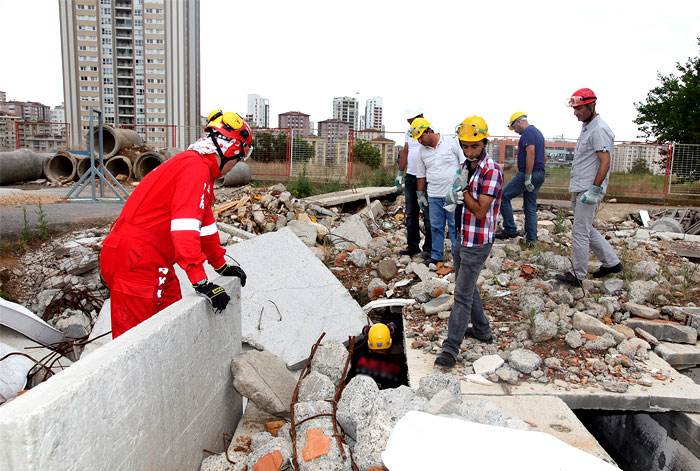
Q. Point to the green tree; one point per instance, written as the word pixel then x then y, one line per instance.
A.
pixel 302 150
pixel 269 147
pixel 640 167
pixel 671 112
pixel 363 151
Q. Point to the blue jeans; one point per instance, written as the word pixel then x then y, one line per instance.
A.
pixel 438 217
pixel 467 302
pixel 412 215
pixel 516 187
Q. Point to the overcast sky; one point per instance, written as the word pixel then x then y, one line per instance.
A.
pixel 453 58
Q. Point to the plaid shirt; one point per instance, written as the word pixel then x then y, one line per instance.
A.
pixel 487 179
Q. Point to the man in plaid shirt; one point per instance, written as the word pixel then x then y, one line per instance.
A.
pixel 477 191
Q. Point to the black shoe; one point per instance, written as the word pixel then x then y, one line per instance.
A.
pixel 603 271
pixel 429 260
pixel 569 278
pixel 425 254
pixel 470 334
pixel 506 235
pixel 409 251
pixel 445 360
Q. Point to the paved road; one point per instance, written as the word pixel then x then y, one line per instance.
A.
pixel 57 214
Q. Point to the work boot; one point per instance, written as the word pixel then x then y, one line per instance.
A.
pixel 470 334
pixel 409 251
pixel 445 360
pixel 506 235
pixel 429 260
pixel 603 271
pixel 569 278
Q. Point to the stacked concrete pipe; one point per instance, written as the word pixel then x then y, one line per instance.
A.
pixel 60 167
pixel 82 165
pixel 146 162
pixel 119 165
pixel 114 140
pixel 21 165
pixel 238 176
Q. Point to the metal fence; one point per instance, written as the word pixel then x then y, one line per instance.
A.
pixel 368 157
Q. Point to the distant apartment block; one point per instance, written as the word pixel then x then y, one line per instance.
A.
pixel 373 113
pixel 387 150
pixel 26 110
pixel 336 133
pixel 626 153
pixel 297 121
pixel 137 60
pixel 57 116
pixel 7 130
pixel 258 111
pixel 3 97
pixel 346 109
pixel 559 153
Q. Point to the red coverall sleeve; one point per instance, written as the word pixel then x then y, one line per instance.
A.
pixel 211 244
pixel 192 194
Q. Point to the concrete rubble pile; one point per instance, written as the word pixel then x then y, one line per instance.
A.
pixel 365 415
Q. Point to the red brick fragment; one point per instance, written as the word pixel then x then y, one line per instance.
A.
pixel 270 462
pixel 317 445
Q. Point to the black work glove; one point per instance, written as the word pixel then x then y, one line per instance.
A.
pixel 231 270
pixel 214 293
pixel 365 329
pixel 392 327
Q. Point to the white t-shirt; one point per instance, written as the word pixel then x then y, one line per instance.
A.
pixel 439 165
pixel 413 150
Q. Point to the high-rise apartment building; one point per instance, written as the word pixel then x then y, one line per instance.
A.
pixel 26 110
pixel 373 113
pixel 57 116
pixel 3 97
pixel 137 60
pixel 345 109
pixel 258 111
pixel 296 120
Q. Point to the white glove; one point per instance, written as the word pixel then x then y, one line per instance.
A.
pixel 528 183
pixel 422 199
pixel 460 181
pixel 454 197
pixel 593 195
pixel 399 178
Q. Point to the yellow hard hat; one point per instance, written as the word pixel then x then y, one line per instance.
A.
pixel 473 128
pixel 418 127
pixel 379 337
pixel 514 117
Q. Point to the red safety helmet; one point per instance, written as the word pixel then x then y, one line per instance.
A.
pixel 230 125
pixel 582 96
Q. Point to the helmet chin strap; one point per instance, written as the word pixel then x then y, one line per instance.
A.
pixel 224 160
pixel 481 154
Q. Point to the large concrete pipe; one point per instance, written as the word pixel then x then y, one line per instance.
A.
pixel 120 167
pixel 238 176
pixel 21 165
pixel 113 140
pixel 146 162
pixel 60 167
pixel 169 152
pixel 82 165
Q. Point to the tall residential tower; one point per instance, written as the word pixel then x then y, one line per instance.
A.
pixel 345 109
pixel 137 60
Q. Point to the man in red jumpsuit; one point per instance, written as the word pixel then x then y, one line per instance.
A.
pixel 168 219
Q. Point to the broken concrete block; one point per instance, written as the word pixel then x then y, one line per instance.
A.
pixel 573 339
pixel 665 330
pixel 525 361
pixel 642 291
pixel 647 336
pixel 316 387
pixel 13 372
pixel 624 330
pixel 376 209
pixel 602 342
pixel 264 379
pixel 434 383
pixel 305 231
pixel 487 364
pixel 677 354
pixel 306 409
pixel 271 456
pixel 542 329
pixel 444 402
pixel 591 325
pixel 442 303
pixel 352 233
pixel 483 412
pixel 316 451
pixel 358 257
pixel 423 291
pixel 386 269
pixel 376 288
pixel 330 359
pixel 220 462
pixel 358 402
pixel 611 285
pixel 531 305
pixel 372 440
pixel 640 310
pixel 400 400
pixel 508 374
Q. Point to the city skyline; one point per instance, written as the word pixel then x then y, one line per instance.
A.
pixel 620 62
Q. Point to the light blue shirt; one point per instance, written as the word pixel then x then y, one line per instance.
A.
pixel 595 136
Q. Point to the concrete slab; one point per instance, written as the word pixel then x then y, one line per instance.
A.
pixel 153 398
pixel 679 354
pixel 677 392
pixel 683 427
pixel 552 416
pixel 287 281
pixel 354 194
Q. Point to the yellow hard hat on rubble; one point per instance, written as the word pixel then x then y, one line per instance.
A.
pixel 514 117
pixel 379 337
pixel 472 129
pixel 418 127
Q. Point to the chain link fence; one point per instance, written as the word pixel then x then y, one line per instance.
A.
pixel 683 175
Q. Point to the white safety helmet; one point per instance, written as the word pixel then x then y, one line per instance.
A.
pixel 413 111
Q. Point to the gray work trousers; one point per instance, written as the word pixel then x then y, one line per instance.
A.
pixel 585 237
pixel 467 303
